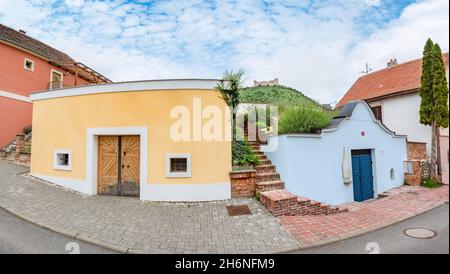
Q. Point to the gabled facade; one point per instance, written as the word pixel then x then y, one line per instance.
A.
pixel 354 159
pixel 393 95
pixel 28 65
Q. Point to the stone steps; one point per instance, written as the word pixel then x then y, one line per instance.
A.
pixel 276 198
pixel 269 186
pixel 283 203
pixel 262 157
pixel 267 177
pixel 266 162
pixel 264 168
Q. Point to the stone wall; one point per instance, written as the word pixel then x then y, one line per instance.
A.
pixel 270 83
pixel 418 163
pixel 20 153
pixel 416 151
pixel 243 183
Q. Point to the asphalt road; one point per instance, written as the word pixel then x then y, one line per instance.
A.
pixel 21 237
pixel 18 236
pixel 391 240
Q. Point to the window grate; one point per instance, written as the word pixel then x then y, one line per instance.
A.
pixel 178 165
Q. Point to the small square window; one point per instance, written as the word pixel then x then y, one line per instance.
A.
pixel 178 165
pixel 62 160
pixel 29 65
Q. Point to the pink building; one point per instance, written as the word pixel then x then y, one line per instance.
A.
pixel 28 65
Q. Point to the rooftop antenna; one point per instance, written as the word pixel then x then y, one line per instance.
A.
pixel 368 69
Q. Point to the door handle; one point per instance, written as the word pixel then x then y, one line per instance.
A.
pixel 128 166
pixel 123 166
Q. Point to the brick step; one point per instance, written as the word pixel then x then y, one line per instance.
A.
pixel 269 186
pixel 257 152
pixel 283 203
pixel 253 143
pixel 266 168
pixel 311 207
pixel 262 156
pixel 266 162
pixel 267 177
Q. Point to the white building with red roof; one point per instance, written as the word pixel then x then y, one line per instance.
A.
pixel 393 95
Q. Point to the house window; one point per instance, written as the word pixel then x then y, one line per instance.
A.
pixel 28 65
pixel 178 165
pixel 56 79
pixel 62 160
pixel 378 113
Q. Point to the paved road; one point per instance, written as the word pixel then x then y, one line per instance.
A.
pixel 21 237
pixel 391 240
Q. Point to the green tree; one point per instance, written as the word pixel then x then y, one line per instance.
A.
pixel 229 87
pixel 426 89
pixel 434 100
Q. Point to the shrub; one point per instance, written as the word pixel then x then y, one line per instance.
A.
pixel 27 130
pixel 303 120
pixel 243 154
pixel 428 183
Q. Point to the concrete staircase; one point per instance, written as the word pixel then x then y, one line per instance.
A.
pixel 278 200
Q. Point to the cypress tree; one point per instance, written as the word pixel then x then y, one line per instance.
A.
pixel 434 100
pixel 426 89
pixel 440 89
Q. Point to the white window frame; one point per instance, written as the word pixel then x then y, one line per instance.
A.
pixel 25 64
pixel 186 174
pixel 56 165
pixel 58 72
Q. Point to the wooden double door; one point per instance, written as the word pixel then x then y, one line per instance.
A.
pixel 119 165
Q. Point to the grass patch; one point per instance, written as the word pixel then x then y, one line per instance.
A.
pixel 428 183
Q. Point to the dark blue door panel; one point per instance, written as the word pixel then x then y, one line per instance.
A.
pixel 357 190
pixel 362 177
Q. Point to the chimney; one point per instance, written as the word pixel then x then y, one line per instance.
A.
pixel 392 63
pixel 22 31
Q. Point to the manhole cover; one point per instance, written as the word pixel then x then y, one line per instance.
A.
pixel 236 210
pixel 420 233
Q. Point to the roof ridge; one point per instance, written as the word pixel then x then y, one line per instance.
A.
pixel 398 65
pixel 35 41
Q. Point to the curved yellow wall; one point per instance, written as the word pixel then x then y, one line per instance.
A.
pixel 62 123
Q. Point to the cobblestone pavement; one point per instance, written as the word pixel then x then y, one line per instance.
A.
pixel 128 225
pixel 399 204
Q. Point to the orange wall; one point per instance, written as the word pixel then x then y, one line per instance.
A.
pixel 14 78
pixel 14 116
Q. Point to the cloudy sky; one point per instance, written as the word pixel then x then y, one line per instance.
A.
pixel 318 47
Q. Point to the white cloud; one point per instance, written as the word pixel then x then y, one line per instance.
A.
pixel 316 47
pixel 74 3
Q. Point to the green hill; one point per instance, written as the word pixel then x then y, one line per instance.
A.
pixel 277 95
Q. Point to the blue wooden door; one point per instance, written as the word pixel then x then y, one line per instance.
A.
pixel 362 175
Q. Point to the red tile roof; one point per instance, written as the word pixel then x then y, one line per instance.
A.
pixel 399 79
pixel 24 41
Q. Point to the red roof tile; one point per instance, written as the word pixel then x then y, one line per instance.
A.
pixel 24 41
pixel 398 79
